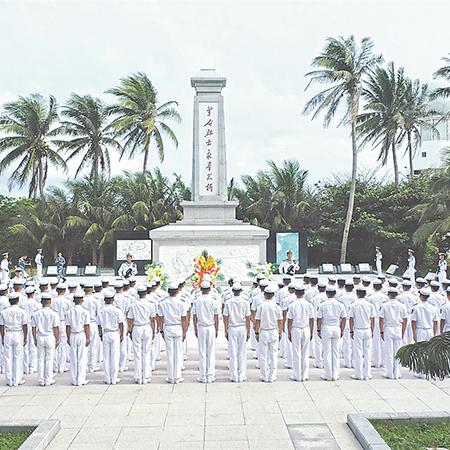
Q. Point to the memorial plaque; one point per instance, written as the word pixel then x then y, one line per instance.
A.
pixel 327 268
pixel 364 268
pixel 346 268
pixel 392 269
pixel 90 270
pixel 72 270
pixel 52 270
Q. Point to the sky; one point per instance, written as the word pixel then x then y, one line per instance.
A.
pixel 263 48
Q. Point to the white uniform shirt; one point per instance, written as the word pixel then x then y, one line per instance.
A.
pixel 77 317
pixel 289 266
pixel 437 300
pixel 377 299
pixel 61 305
pixel 409 300
pixel 13 318
pixel 125 267
pixel 141 311
pixel 287 301
pixel 445 315
pixel 172 309
pixel 257 300
pixel 122 302
pixel 393 312
pixel 237 309
pixel 109 317
pixel 205 308
pixel 45 319
pixel 269 313
pixel 38 259
pixel 316 301
pixel 30 306
pixel 300 311
pixel 311 293
pixel 4 265
pixel 362 311
pixel 425 314
pixel 4 303
pixel 347 299
pixel 331 311
pixel 281 294
pixel 93 305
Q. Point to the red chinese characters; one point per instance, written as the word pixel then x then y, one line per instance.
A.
pixel 209 139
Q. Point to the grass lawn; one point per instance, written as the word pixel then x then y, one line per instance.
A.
pixel 414 435
pixel 12 440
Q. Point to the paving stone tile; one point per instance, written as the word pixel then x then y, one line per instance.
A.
pixel 226 433
pixel 63 439
pixel 303 417
pixel 233 445
pixel 278 444
pixel 35 412
pixel 72 416
pixel 260 419
pixel 263 432
pixel 97 436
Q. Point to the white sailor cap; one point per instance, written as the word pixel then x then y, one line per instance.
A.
pixel 332 278
pixel 299 287
pixel 291 285
pixel 406 283
pixel 54 281
pixel 105 280
pixel 446 281
pixel 426 292
pixel 260 276
pixel 108 293
pixel 435 283
pixel 429 276
pixel 98 284
pixel 237 286
pixel 361 289
pixel 330 288
pixel 392 290
pixel 72 284
pixel 356 277
pixel 270 289
pixel 14 295
pixel 118 284
pixel 410 250
pixel 39 249
pixel 141 288
pixel 349 283
pixel 3 287
pixel 206 284
pixel 46 296
pixel 287 277
pixel 88 285
pixel 61 286
pixel 29 283
pixel 307 276
pixel 420 280
pixel 365 279
pixel 393 280
pixel 406 276
pixel 280 283
pixel 132 279
pixel 126 282
pixel 377 282
pixel 78 294
pixel 321 284
pixel 29 290
pixel 82 282
pixel 17 281
pixel 381 276
pixel 17 269
pixel 43 283
pixel 264 283
pixel 5 254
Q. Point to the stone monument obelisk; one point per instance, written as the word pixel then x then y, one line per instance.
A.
pixel 209 220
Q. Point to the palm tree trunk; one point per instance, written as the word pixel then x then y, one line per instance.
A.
pixel 41 181
pixel 411 168
pixel 101 259
pixel 94 255
pixel 394 159
pixel 144 168
pixel 351 198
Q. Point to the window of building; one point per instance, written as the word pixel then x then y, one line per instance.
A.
pixel 424 154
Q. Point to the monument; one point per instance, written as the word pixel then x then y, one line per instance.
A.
pixel 209 220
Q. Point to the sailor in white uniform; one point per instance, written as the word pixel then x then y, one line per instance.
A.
pixel 5 266
pixel 13 329
pixel 39 259
pixel 77 322
pixel 236 319
pixel 445 314
pixel 411 270
pixel 289 266
pixel 30 305
pixel 378 260
pixel 442 268
pixel 128 268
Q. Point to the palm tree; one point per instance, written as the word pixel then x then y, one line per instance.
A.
pixel 344 64
pixel 443 72
pixel 380 124
pixel 27 124
pixel 87 123
pixel 140 118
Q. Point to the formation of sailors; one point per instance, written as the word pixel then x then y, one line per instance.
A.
pixel 53 327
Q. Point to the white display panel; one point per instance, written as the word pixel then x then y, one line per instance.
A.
pixel 141 249
pixel 208 139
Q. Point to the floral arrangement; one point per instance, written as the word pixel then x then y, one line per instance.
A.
pixel 156 270
pixel 255 268
pixel 203 265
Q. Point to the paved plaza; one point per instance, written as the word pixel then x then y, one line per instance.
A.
pixel 250 415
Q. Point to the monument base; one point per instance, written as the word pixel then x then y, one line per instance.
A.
pixel 176 245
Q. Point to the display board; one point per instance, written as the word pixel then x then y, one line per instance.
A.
pixel 141 249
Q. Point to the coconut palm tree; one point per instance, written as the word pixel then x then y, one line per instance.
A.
pixel 140 118
pixel 380 123
pixel 87 123
pixel 28 125
pixel 344 64
pixel 443 72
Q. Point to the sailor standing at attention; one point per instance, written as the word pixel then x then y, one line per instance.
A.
pixel 128 268
pixel 268 332
pixel 378 260
pixel 39 259
pixel 289 266
pixel 4 266
pixel 442 268
pixel 206 326
pixel 236 319
pixel 411 270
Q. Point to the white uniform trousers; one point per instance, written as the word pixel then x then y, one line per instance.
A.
pixel 78 358
pixel 347 346
pixel 377 345
pixel 2 359
pixel 5 278
pixel 124 349
pixel 300 352
pixel 13 354
pixel 173 336
pixel 30 353
pixel 156 349
pixel 253 341
pixel 378 265
pixel 111 355
pixel 207 351
pixel 237 343
pixel 185 349
pixel 423 334
pixel 442 275
pixel 362 350
pixel 282 345
pixel 408 336
pixel 330 344
pixel 46 357
pixel 62 350
pixel 392 342
pixel 268 353
pixel 93 347
pixel 288 345
pixel 142 344
pixel 38 272
pixel 317 343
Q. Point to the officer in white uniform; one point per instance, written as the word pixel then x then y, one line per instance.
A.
pixel 300 328
pixel 128 268
pixel 378 260
pixel 206 326
pixel 172 324
pixel 77 329
pixel 123 303
pixel 409 300
pixel 110 321
pixel 445 314
pixel 316 300
pixel 285 343
pixel 331 319
pixel 30 306
pixel 361 315
pixel 93 305
pixel 268 332
pixel 4 266
pixel 442 268
pixel 257 299
pixel 411 270
pixel 347 343
pixel 392 320
pixel 236 319
pixel 141 325
pixel 289 266
pixel 60 304
pixel 13 329
pixel 39 259
pixel 45 323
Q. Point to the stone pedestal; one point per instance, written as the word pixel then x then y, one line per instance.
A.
pixel 209 221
